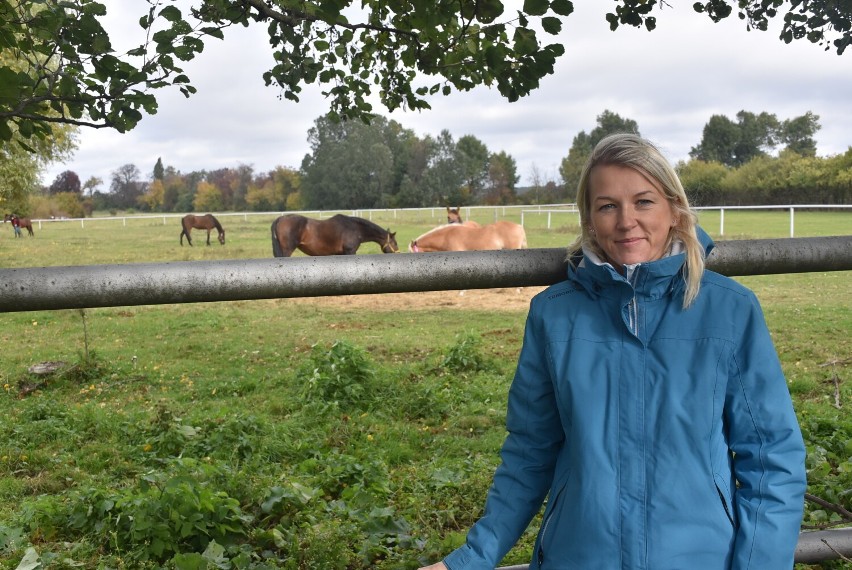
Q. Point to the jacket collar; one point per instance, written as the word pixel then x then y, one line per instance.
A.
pixel 654 278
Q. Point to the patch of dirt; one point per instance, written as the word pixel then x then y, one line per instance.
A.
pixel 508 299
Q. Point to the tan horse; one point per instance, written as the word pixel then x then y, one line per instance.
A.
pixel 463 237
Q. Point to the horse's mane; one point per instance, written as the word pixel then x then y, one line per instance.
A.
pixel 366 223
pixel 216 223
pixel 441 227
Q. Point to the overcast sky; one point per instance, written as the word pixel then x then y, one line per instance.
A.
pixel 670 81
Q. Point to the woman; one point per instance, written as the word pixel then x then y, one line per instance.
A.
pixel 648 401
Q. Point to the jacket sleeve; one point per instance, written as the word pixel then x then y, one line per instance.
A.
pixel 528 456
pixel 769 454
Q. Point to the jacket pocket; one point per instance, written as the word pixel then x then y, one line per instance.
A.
pixel 548 526
pixel 727 502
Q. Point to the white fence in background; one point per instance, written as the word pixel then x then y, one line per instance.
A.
pixel 572 209
pixel 437 213
pixel 792 210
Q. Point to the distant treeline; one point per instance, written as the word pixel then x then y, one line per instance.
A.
pixel 353 165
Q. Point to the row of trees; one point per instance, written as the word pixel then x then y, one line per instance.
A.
pixel 353 165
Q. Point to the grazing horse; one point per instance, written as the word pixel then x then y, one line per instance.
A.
pixel 18 223
pixel 338 235
pixel 462 237
pixel 205 222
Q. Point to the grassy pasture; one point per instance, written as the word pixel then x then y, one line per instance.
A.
pixel 308 433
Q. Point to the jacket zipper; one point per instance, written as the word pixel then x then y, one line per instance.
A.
pixel 544 533
pixel 540 547
pixel 632 308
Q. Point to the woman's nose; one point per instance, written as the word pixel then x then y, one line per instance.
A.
pixel 626 218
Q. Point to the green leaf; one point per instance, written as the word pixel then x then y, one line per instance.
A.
pixel 171 13
pixel 562 7
pixel 551 25
pixel 489 10
pixel 536 7
pixel 214 32
pixel 30 561
pixel 525 41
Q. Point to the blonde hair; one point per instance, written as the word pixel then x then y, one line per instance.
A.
pixel 634 152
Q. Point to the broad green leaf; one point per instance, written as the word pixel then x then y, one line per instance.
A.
pixel 551 25
pixel 536 7
pixel 562 7
pixel 525 42
pixel 489 10
pixel 171 13
pixel 30 561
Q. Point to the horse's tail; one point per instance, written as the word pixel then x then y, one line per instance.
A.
pixel 276 245
pixel 523 232
pixel 183 231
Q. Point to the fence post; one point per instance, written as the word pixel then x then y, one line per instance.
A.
pixel 721 221
pixel 791 221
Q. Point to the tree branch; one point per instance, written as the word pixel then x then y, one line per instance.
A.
pixel 830 506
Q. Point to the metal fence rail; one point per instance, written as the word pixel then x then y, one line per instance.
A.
pixel 48 288
pixel 813 546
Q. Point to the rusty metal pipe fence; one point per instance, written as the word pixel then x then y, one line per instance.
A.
pixel 52 288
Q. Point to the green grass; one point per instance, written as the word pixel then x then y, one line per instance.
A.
pixel 300 435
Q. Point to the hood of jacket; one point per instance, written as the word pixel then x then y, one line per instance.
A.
pixel 653 278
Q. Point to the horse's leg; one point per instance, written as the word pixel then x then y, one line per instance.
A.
pixel 208 237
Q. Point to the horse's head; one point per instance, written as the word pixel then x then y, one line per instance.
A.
pixel 222 237
pixel 389 245
pixel 453 215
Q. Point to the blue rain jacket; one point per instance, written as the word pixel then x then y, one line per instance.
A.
pixel 664 438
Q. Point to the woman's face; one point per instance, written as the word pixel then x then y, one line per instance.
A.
pixel 630 217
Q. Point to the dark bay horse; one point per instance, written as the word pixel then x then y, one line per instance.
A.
pixel 25 223
pixel 205 222
pixel 338 235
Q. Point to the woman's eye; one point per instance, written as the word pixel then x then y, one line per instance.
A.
pixel 606 207
pixel 644 203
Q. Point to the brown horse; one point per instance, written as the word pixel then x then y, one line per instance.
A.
pixel 454 215
pixel 25 223
pixel 338 235
pixel 205 222
pixel 462 237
